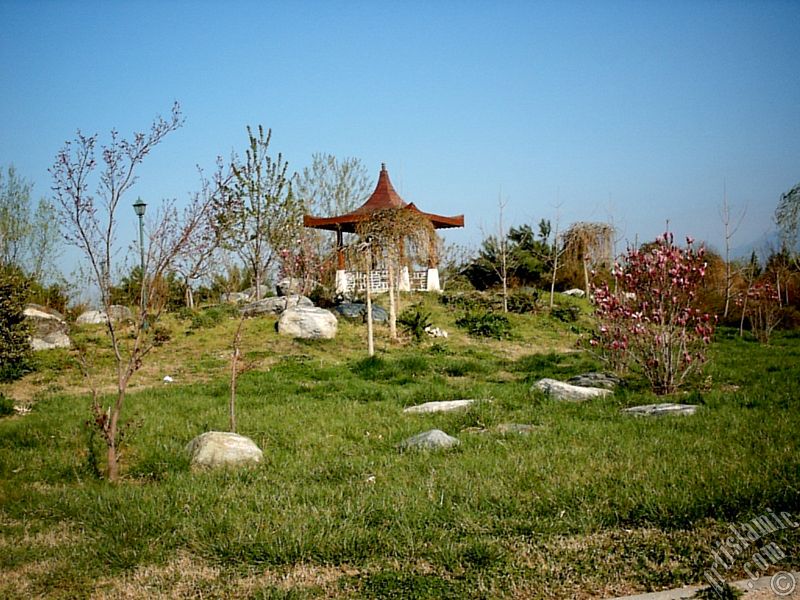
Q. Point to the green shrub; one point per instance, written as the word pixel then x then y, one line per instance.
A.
pixel 485 324
pixel 414 320
pixel 566 314
pixel 6 406
pixel 523 301
pixel 207 318
pixel 15 347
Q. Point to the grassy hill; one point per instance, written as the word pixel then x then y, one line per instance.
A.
pixel 590 503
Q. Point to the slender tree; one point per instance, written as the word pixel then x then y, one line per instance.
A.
pixel 262 216
pixel 28 234
pixel 89 222
pixel 730 230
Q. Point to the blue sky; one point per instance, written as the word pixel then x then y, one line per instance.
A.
pixel 633 111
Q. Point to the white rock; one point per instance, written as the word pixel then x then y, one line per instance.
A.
pixel 49 328
pixel 665 408
pixel 442 406
pixel 575 292
pixel 307 322
pixel 91 317
pixel 221 448
pixel 168 379
pixel 435 439
pixel 559 390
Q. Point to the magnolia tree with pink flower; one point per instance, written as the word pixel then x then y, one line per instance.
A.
pixel 761 305
pixel 651 321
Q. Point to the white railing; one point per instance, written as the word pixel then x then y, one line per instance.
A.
pixel 379 281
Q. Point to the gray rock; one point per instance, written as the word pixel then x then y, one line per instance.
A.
pixel 665 408
pixel 274 305
pixel 96 317
pixel 307 322
pixel 120 313
pixel 442 406
pixel 598 380
pixel 49 328
pixel 575 292
pixel 558 390
pixel 358 310
pixel 435 439
pixel 290 286
pixel 251 292
pixel 91 317
pixel 234 298
pixel 222 449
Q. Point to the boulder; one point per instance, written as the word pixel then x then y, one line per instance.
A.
pixel 358 310
pixel 665 408
pixel 435 439
pixel 222 449
pixel 49 328
pixel 120 313
pixel 442 406
pixel 96 317
pixel 575 293
pixel 234 298
pixel 251 292
pixel 307 322
pixel 558 390
pixel 274 305
pixel 606 381
pixel 290 286
pixel 91 317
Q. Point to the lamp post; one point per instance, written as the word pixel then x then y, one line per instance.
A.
pixel 139 209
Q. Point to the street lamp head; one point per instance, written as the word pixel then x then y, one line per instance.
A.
pixel 139 207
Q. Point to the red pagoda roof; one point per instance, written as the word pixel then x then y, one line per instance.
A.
pixel 384 197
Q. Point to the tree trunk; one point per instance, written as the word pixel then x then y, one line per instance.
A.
pixel 237 338
pixel 392 305
pixel 370 338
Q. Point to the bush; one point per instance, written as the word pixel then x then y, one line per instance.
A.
pixel 523 301
pixel 414 321
pixel 485 324
pixel 6 406
pixel 565 314
pixel 652 321
pixel 207 318
pixel 15 347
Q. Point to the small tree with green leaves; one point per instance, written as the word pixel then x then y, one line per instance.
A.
pixel 259 215
pixel 15 345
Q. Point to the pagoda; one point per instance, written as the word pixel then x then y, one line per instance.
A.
pixel 384 197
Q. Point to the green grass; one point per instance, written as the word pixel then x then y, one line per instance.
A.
pixel 591 503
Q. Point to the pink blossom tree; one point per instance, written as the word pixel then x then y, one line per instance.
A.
pixel 651 322
pixel 761 305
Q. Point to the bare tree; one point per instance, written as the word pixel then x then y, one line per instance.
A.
pixel 556 250
pixel 89 222
pixel 262 216
pixel 497 244
pixel 197 256
pixel 730 231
